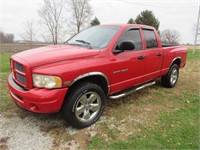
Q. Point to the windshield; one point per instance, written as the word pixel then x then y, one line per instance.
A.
pixel 96 37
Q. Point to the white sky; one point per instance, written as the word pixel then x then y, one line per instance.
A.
pixel 180 15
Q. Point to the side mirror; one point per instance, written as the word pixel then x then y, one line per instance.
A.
pixel 124 45
pixel 127 45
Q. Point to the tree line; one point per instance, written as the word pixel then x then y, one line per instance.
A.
pixel 58 18
pixel 6 37
pixel 54 21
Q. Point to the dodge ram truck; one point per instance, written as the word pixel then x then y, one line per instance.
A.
pixel 101 62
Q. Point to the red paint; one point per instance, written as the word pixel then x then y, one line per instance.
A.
pixel 69 62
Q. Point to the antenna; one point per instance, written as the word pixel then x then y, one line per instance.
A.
pixel 197 31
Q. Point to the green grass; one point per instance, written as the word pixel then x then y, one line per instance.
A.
pixel 178 129
pixel 195 56
pixel 6 102
pixel 5 62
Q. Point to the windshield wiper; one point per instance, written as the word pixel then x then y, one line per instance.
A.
pixel 86 43
pixel 66 42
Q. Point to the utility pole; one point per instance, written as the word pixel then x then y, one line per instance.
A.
pixel 197 31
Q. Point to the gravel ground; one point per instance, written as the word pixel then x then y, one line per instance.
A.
pixel 18 134
pixel 42 132
pixel 32 133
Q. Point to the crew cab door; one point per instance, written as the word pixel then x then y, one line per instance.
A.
pixel 127 67
pixel 154 55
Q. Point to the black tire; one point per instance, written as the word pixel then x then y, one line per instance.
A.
pixel 170 79
pixel 79 98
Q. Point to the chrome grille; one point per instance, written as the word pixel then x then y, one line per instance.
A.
pixel 19 67
pixel 21 78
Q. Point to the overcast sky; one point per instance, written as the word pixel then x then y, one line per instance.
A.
pixel 180 15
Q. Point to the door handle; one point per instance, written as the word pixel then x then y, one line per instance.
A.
pixel 141 57
pixel 159 54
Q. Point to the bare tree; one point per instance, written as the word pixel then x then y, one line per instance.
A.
pixel 51 14
pixel 81 13
pixel 29 32
pixel 170 36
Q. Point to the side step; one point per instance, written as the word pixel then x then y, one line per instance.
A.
pixel 132 90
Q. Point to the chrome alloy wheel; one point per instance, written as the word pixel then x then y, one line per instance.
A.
pixel 174 76
pixel 88 106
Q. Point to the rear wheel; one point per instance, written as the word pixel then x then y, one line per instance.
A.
pixel 170 79
pixel 84 105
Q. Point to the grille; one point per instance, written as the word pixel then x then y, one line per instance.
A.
pixel 20 73
pixel 21 78
pixel 19 67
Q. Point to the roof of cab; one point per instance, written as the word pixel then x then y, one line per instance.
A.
pixel 129 25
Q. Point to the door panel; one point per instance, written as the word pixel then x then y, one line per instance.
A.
pixel 127 70
pixel 127 67
pixel 154 56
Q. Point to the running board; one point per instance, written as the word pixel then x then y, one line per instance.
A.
pixel 132 90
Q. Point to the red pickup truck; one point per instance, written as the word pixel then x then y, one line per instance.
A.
pixel 106 61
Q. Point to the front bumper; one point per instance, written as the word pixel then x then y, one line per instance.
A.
pixel 37 100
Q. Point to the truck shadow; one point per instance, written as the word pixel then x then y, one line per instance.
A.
pixel 55 120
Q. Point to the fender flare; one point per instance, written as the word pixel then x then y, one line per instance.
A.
pixel 91 74
pixel 175 60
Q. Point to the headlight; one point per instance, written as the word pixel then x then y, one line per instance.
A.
pixel 49 82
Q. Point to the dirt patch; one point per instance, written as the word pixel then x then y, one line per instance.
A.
pixel 68 137
pixel 3 143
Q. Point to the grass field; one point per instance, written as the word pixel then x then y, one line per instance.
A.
pixel 153 118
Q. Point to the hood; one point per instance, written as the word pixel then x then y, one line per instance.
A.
pixel 55 53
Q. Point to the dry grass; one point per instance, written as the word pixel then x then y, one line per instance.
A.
pixel 14 48
pixel 191 47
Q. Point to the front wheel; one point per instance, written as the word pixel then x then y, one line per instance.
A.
pixel 170 79
pixel 84 105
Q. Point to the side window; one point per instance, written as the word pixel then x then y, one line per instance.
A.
pixel 134 35
pixel 150 37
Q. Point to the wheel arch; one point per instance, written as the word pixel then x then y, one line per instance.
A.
pixel 98 78
pixel 177 61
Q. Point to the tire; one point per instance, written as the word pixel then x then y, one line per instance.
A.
pixel 170 79
pixel 83 105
